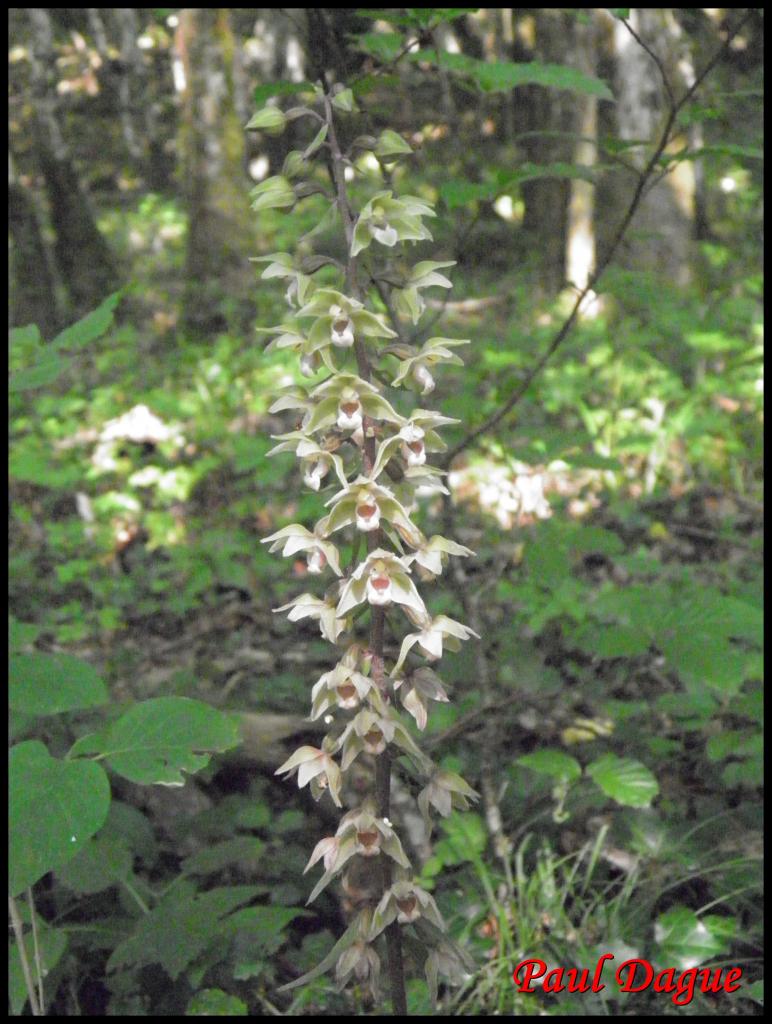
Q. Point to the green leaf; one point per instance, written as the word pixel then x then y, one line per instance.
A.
pixel 344 100
pixel 239 850
pixel 181 927
pixel 552 762
pixel 159 739
pixel 259 932
pixel 265 92
pixel 51 944
pixel 686 940
pixel 21 634
pixel 625 780
pixel 54 808
pixel 47 684
pixel 213 1002
pixel 26 337
pixel 499 76
pixel 90 327
pixel 104 861
pixel 383 45
pixel 47 370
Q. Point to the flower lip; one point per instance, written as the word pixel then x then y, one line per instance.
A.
pixel 350 408
pixel 373 737
pixel 408 904
pixel 369 840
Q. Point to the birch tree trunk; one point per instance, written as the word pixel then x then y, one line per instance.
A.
pixel 662 230
pixel 211 160
pixel 580 225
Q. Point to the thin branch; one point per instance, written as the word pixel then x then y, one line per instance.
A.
pixel 18 932
pixel 564 330
pixel 654 57
pixel 36 947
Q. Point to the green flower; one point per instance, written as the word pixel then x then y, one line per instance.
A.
pixel 340 320
pixel 345 400
pixel 407 300
pixel 297 538
pixel 380 580
pixel 365 503
pixel 433 351
pixel 281 264
pixel 389 220
pixel 316 461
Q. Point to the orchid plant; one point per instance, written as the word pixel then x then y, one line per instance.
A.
pixel 375 451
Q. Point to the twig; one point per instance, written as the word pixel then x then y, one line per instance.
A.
pixel 643 179
pixel 654 57
pixel 18 932
pixel 36 947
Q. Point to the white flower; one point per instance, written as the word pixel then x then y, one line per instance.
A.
pixel 349 412
pixel 317 767
pixel 434 632
pixel 368 516
pixel 385 234
pixel 424 378
pixel 314 473
pixel 341 328
pixel 309 364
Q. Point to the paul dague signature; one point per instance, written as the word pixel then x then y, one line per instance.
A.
pixel 631 976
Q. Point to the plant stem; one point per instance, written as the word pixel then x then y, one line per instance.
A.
pixel 382 761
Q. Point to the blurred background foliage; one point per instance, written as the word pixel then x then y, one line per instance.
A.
pixel 616 513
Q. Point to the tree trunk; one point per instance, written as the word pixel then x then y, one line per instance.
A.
pixel 31 282
pixel 580 226
pixel 211 151
pixel 84 259
pixel 547 110
pixel 662 230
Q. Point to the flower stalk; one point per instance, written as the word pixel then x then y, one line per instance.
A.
pixel 379 450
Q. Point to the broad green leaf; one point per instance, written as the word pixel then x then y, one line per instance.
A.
pixel 465 834
pixel 625 780
pixel 52 943
pixel 383 45
pixel 44 372
pixel 213 1002
pixel 54 807
pixel 159 739
pixel 103 861
pixel 258 933
pixel 552 762
pixel 27 337
pixel 502 76
pixel 179 928
pixel 239 850
pixel 20 634
pixel 686 940
pixel 47 684
pixel 90 327
pixel 264 92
